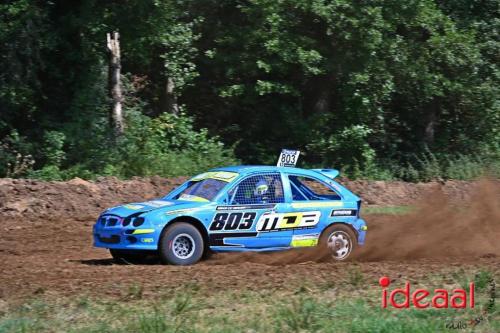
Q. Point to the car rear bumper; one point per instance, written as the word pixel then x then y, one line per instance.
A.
pixel 361 229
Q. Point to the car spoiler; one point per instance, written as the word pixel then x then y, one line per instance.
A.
pixel 330 173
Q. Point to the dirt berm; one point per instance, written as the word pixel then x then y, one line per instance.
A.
pixel 26 200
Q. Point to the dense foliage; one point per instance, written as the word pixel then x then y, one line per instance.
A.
pixel 379 88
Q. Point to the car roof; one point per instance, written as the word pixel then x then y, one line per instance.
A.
pixel 246 169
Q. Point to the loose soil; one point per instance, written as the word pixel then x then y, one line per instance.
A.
pixel 46 246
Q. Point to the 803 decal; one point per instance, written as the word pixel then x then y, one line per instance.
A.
pixel 232 221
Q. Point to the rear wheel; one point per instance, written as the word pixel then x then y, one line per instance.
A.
pixel 340 241
pixel 181 244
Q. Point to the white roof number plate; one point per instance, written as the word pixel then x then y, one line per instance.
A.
pixel 288 158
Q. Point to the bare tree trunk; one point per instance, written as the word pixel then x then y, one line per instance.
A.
pixel 170 99
pixel 321 95
pixel 430 124
pixel 323 99
pixel 429 131
pixel 116 116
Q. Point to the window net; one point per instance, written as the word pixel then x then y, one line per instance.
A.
pixel 259 189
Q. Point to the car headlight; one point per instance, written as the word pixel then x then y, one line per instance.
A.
pixel 138 221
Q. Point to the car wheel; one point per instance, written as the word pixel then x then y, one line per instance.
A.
pixel 181 244
pixel 130 257
pixel 340 241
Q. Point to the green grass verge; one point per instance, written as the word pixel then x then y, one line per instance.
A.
pixel 235 311
pixel 388 210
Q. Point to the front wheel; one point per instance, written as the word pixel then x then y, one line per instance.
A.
pixel 340 241
pixel 181 244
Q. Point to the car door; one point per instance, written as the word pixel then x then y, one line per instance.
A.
pixel 312 200
pixel 252 218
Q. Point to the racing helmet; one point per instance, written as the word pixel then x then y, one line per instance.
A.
pixel 261 188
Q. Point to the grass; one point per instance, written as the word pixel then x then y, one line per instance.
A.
pixel 238 311
pixel 355 277
pixel 391 210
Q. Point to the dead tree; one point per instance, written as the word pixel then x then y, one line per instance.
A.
pixel 170 99
pixel 115 88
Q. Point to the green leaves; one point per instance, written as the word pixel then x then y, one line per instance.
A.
pixel 355 84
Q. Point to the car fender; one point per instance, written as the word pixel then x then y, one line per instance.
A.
pixel 356 232
pixel 189 219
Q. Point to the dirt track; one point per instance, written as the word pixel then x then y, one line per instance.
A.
pixel 56 257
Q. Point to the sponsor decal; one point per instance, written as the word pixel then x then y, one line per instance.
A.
pixel 246 207
pixel 343 212
pixel 285 221
pixel 269 221
pixel 147 240
pixel 219 175
pixel 232 221
pixel 304 240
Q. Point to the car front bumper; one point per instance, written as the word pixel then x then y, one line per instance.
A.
pixel 123 238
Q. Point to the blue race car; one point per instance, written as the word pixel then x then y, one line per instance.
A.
pixel 240 208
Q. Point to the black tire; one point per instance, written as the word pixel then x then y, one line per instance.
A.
pixel 181 244
pixel 131 257
pixel 207 254
pixel 340 241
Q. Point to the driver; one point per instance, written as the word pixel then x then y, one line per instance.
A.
pixel 261 190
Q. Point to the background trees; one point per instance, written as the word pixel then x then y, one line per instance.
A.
pixel 377 88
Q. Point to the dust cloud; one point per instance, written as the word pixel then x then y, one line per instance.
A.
pixel 437 228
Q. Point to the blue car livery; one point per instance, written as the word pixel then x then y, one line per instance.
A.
pixel 240 208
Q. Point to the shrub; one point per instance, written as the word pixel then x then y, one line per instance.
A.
pixel 167 146
pixel 347 147
pixel 53 148
pixel 15 157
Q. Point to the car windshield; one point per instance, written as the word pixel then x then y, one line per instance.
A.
pixel 205 187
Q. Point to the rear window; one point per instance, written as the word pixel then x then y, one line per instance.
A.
pixel 307 188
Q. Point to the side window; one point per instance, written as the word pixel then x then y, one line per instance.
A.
pixel 259 189
pixel 306 188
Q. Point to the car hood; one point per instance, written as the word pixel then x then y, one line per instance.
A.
pixel 148 206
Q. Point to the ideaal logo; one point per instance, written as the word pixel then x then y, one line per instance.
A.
pixel 440 298
pixel 423 298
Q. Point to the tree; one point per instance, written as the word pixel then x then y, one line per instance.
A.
pixel 116 114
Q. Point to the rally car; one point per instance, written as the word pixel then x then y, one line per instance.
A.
pixel 239 208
